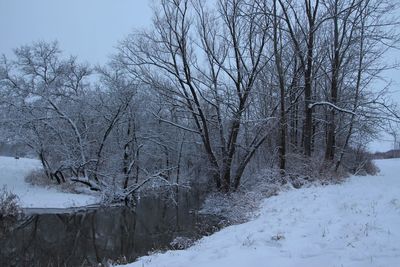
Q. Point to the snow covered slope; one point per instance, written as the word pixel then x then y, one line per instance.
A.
pixel 353 224
pixel 12 174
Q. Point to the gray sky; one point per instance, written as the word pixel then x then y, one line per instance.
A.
pixel 385 141
pixel 85 28
pixel 90 29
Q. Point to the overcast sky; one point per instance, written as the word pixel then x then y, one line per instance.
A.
pixel 86 28
pixel 90 29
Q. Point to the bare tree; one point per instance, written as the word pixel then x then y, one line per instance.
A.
pixel 205 57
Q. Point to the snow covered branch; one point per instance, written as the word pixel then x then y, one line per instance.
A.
pixel 324 103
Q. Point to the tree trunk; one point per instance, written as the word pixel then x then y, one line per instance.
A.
pixel 281 78
pixel 331 129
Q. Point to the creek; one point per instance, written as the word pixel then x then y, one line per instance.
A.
pixel 91 236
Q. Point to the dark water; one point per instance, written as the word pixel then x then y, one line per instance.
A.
pixel 89 237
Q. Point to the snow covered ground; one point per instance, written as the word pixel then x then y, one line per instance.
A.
pixel 12 174
pixel 356 223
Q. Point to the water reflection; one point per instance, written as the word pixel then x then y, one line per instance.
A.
pixel 87 238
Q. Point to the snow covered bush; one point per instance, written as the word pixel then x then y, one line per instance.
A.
pixel 181 242
pixel 155 185
pixel 114 195
pixel 235 207
pixel 238 207
pixel 121 260
pixel 10 211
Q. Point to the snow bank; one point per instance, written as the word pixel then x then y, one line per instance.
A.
pixel 12 174
pixel 356 223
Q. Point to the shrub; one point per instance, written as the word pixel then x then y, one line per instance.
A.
pixel 39 178
pixel 181 242
pixel 10 211
pixel 358 161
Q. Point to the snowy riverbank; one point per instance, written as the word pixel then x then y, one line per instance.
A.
pixel 356 223
pixel 12 174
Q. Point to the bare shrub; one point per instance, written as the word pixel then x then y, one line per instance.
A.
pixel 301 170
pixel 39 178
pixel 10 210
pixel 371 168
pixel 358 161
pixel 181 242
pixel 239 206
pixel 121 260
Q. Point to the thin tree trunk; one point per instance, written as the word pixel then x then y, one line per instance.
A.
pixel 282 115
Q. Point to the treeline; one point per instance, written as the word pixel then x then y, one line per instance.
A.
pixel 209 90
pixel 394 153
